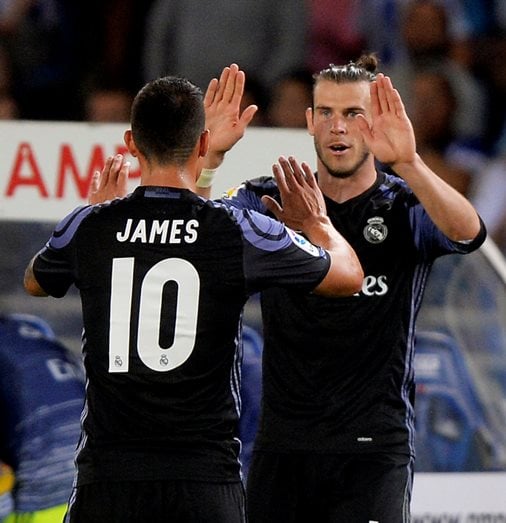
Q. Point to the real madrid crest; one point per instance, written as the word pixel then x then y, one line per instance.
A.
pixel 375 231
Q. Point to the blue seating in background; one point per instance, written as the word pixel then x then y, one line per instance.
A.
pixel 453 433
pixel 451 427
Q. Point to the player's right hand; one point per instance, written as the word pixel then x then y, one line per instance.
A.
pixel 111 182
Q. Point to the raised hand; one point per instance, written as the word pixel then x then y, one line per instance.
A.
pixel 302 201
pixel 389 136
pixel 222 103
pixel 111 182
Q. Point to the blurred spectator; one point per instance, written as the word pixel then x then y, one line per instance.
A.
pixel 8 106
pixel 291 95
pixel 57 47
pixel 334 32
pixel 112 35
pixel 467 20
pixel 382 27
pixel 6 484
pixel 41 399
pixel 40 39
pixel 433 115
pixel 103 104
pixel 499 14
pixel 255 92
pixel 197 39
pixel 489 199
pixel 491 52
pixel 481 15
pixel 425 32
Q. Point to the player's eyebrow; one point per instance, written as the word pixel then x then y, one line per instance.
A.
pixel 356 109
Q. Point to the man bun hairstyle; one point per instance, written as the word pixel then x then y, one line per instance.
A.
pixel 363 70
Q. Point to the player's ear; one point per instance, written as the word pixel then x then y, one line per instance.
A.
pixel 204 143
pixel 309 120
pixel 129 142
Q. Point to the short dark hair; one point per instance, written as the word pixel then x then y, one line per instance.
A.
pixel 363 70
pixel 167 119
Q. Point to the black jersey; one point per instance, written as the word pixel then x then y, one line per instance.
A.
pixel 163 277
pixel 338 372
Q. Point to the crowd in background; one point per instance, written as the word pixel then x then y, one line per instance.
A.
pixel 83 61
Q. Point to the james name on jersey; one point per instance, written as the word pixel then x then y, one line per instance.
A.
pixel 164 231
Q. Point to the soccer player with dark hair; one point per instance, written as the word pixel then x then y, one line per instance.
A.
pixel 163 275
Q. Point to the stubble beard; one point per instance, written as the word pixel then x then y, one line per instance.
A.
pixel 342 173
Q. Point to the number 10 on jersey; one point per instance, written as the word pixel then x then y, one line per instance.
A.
pixel 157 358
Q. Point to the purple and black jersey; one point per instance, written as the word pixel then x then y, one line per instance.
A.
pixel 338 373
pixel 163 277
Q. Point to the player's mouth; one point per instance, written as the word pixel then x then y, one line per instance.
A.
pixel 339 148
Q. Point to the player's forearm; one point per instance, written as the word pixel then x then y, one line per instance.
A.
pixel 31 284
pixel 452 213
pixel 204 183
pixel 212 160
pixel 345 275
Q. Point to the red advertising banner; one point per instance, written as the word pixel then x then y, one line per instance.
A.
pixel 46 168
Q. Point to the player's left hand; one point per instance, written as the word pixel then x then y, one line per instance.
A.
pixel 389 135
pixel 224 119
pixel 111 182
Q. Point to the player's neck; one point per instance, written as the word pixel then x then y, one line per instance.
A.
pixel 170 175
pixel 343 189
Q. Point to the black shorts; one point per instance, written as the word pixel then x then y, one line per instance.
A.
pixel 180 501
pixel 359 488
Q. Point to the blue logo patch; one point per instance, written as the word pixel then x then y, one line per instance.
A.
pixel 303 243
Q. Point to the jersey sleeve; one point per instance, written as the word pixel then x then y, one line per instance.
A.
pixel 248 195
pixel 431 242
pixel 275 255
pixel 53 266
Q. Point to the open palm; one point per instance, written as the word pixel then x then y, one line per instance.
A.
pixel 222 103
pixel 389 136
